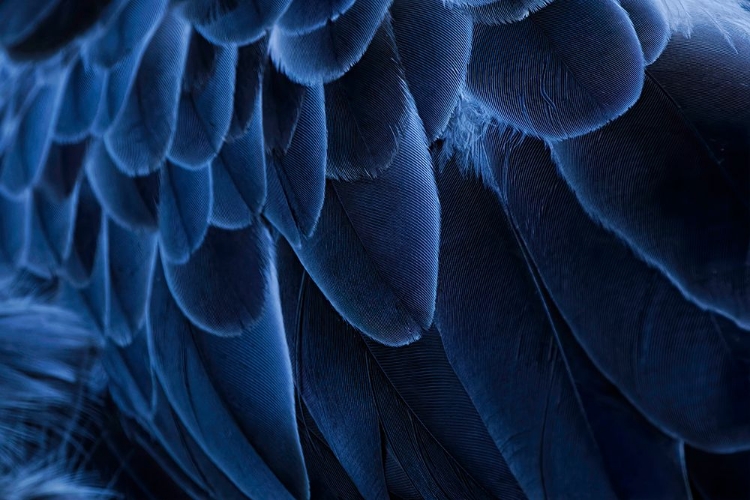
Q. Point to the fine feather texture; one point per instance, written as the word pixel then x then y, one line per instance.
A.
pixel 408 249
pixel 677 168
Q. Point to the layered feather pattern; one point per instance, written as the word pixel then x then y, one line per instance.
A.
pixel 410 249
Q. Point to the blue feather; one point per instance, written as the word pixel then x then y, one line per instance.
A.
pixel 141 135
pixel 239 178
pixel 297 175
pixel 671 176
pixel 185 201
pixel 374 251
pixel 222 288
pixel 251 62
pixel 80 102
pixel 328 52
pixel 367 112
pixel 130 201
pixel 205 110
pixel 305 16
pixel 226 22
pixel 496 335
pixel 536 74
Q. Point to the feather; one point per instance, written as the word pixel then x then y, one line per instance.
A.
pixel 667 356
pixel 297 176
pixel 496 334
pixel 80 102
pixel 304 17
pixel 282 106
pixel 251 62
pixel 434 44
pixel 374 252
pixel 127 34
pixel 62 170
pixel 651 25
pixel 117 84
pixel 239 178
pixel 80 257
pixel 225 22
pixel 140 137
pixel 367 112
pixel 185 200
pixel 363 392
pixel 536 74
pixel 129 201
pixel 49 229
pixel 499 11
pixel 130 268
pixel 222 288
pixel 329 51
pixel 22 163
pixel 13 234
pixel 242 385
pixel 205 111
pixel 671 176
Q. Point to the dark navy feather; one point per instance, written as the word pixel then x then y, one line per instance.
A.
pixel 222 287
pixel 374 252
pixel 251 61
pixel 537 75
pixel 651 25
pixel 367 111
pixel 671 177
pixel 297 175
pixel 496 335
pixel 434 44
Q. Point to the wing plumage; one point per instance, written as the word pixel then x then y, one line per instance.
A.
pixel 341 249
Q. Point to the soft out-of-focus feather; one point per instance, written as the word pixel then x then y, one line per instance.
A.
pixel 496 335
pixel 718 477
pixel 671 176
pixel 251 62
pixel 22 162
pixel 434 44
pixel 142 134
pixel 242 385
pixel 206 107
pixel 185 200
pixel 127 33
pixel 667 356
pixel 12 232
pixel 20 19
pixel 80 102
pixel 536 74
pixel 303 17
pixel 651 25
pixel 222 288
pixel 328 52
pixel 356 250
pixel 226 22
pixel 367 111
pixel 48 360
pixel 297 176
pixel 239 178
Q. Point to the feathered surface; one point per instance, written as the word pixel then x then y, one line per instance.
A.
pixel 375 249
